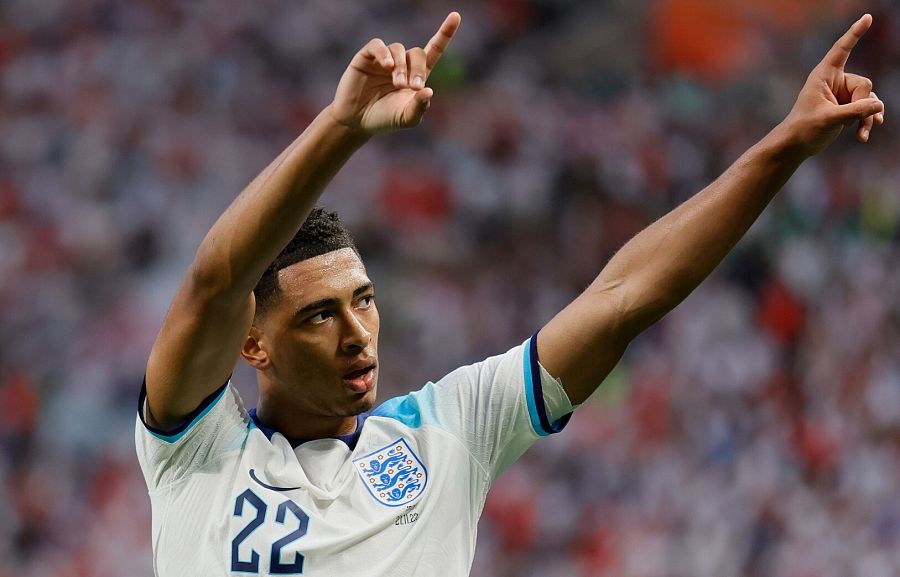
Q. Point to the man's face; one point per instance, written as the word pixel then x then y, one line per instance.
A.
pixel 321 336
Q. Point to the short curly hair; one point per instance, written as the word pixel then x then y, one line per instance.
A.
pixel 322 232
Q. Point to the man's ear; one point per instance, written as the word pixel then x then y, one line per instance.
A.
pixel 253 352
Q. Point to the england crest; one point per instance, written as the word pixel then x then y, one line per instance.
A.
pixel 393 474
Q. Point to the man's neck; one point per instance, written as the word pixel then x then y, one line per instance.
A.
pixel 296 424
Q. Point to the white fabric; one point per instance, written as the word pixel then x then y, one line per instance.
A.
pixel 462 431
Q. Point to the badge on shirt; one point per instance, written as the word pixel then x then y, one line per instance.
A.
pixel 393 474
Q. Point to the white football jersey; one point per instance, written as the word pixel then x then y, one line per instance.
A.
pixel 400 497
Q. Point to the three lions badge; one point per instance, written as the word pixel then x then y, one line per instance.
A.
pixel 393 474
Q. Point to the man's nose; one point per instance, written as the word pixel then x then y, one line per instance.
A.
pixel 356 336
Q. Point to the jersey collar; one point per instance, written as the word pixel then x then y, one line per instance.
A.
pixel 350 439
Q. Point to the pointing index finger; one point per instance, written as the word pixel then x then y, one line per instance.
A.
pixel 840 52
pixel 439 42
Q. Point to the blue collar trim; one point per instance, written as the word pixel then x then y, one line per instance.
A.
pixel 350 440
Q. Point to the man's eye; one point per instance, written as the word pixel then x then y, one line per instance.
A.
pixel 318 318
pixel 366 302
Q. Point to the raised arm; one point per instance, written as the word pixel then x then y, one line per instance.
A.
pixel 383 89
pixel 660 266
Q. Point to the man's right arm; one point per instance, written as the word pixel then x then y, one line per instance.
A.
pixel 209 318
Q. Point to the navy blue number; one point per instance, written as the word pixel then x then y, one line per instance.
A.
pixel 277 567
pixel 251 566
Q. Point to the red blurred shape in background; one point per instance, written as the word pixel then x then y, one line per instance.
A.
pixel 714 39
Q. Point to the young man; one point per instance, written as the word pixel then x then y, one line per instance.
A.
pixel 318 481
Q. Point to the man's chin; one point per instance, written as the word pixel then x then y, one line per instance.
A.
pixel 367 403
pixel 363 404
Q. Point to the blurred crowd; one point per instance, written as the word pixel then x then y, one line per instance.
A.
pixel 755 431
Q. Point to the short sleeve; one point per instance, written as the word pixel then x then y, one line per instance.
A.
pixel 497 408
pixel 217 427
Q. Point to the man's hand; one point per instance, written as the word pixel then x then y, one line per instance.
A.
pixel 209 319
pixel 832 98
pixel 384 89
pixel 660 266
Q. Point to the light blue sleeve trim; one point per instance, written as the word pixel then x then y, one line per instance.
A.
pixel 534 393
pixel 174 438
pixel 529 391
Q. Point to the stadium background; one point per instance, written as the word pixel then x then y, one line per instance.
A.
pixel 753 432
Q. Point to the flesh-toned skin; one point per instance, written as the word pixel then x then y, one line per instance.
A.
pixel 213 313
pixel 213 321
pixel 303 354
pixel 660 266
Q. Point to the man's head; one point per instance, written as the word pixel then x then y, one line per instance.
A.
pixel 315 334
pixel 321 233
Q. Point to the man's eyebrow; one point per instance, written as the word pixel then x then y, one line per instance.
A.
pixel 330 302
pixel 319 304
pixel 363 288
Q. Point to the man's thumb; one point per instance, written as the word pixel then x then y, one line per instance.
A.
pixel 419 104
pixel 862 108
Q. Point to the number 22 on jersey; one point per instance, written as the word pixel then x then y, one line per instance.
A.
pixel 244 562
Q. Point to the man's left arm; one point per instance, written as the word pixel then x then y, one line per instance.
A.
pixel 660 266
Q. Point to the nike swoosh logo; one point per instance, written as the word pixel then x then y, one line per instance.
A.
pixel 270 487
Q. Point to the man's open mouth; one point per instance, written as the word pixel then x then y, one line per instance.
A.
pixel 360 372
pixel 361 380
